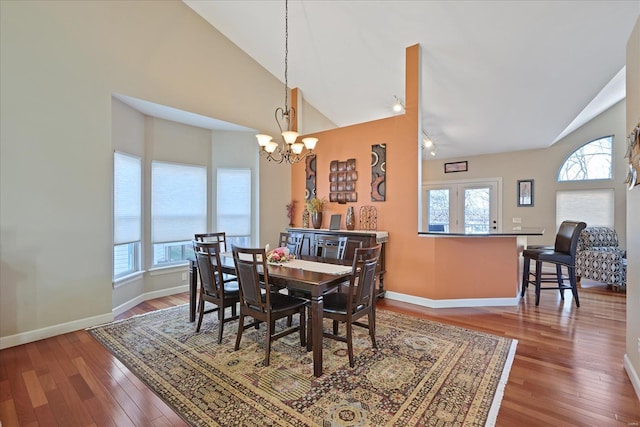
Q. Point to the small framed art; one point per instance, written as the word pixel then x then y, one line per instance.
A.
pixel 525 192
pixel 456 167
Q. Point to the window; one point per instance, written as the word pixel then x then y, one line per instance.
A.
pixel 462 207
pixel 591 161
pixel 595 207
pixel 127 214
pixel 178 210
pixel 233 212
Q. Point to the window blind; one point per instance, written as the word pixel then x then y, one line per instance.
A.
pixel 127 198
pixel 595 207
pixel 178 201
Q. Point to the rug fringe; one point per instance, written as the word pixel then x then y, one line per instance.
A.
pixel 492 416
pixel 115 322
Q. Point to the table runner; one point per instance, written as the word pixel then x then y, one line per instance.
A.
pixel 318 267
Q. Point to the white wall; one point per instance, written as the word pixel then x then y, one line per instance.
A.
pixel 632 357
pixel 60 64
pixel 542 166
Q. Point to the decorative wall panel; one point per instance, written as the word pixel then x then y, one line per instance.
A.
pixel 378 172
pixel 310 168
pixel 342 181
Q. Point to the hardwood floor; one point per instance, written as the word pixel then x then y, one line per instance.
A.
pixel 567 370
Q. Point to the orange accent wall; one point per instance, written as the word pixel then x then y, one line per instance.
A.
pixel 435 268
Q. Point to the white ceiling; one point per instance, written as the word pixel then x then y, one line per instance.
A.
pixel 496 75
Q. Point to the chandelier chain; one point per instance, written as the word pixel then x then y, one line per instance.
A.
pixel 286 55
pixel 288 151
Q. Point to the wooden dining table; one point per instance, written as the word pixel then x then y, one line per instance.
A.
pixel 313 284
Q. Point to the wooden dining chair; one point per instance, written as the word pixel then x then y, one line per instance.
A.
pixel 359 300
pixel 219 237
pixel 331 247
pixel 214 288
pixel 293 241
pixel 260 302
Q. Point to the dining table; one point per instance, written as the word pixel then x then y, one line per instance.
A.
pixel 312 276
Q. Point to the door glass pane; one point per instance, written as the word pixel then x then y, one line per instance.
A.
pixel 438 210
pixel 477 210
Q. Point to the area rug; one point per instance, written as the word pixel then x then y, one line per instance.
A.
pixel 423 373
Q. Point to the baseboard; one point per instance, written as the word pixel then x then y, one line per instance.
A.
pixel 453 303
pixel 63 328
pixel 147 296
pixel 633 375
pixel 51 331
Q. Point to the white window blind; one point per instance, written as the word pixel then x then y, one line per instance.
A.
pixel 127 198
pixel 178 201
pixel 233 210
pixel 595 207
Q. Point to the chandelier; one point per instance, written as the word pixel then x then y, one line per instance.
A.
pixel 288 151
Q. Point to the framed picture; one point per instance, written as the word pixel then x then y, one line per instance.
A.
pixel 525 192
pixel 456 167
pixel 335 222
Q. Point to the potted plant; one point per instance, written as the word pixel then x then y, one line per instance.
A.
pixel 316 206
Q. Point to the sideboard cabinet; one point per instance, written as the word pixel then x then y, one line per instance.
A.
pixel 357 238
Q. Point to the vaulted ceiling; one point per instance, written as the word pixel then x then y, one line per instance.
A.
pixel 496 75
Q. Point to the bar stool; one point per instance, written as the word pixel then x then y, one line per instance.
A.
pixel 562 254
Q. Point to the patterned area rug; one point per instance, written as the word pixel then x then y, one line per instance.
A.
pixel 422 373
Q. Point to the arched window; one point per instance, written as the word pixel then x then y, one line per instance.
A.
pixel 591 161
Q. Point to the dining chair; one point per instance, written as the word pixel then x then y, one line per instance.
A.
pixel 213 288
pixel 359 300
pixel 562 254
pixel 219 237
pixel 260 302
pixel 331 247
pixel 293 241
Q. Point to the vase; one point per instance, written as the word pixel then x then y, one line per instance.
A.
pixel 350 220
pixel 305 218
pixel 316 219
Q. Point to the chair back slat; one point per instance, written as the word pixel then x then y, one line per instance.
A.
pixel 363 277
pixel 209 267
pixel 249 262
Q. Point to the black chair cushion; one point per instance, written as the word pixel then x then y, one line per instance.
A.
pixel 547 255
pixel 280 302
pixel 231 287
pixel 337 303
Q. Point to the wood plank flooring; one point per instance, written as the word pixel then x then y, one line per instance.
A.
pixel 568 369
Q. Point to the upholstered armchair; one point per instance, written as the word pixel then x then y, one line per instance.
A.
pixel 600 258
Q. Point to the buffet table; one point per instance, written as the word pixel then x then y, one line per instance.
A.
pixel 357 238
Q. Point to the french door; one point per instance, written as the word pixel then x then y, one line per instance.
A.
pixel 469 207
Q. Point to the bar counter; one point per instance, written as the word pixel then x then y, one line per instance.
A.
pixel 478 269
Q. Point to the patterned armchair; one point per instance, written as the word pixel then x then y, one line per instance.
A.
pixel 600 258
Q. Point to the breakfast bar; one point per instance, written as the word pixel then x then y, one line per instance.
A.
pixel 479 269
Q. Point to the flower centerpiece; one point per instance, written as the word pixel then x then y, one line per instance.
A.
pixel 315 206
pixel 279 255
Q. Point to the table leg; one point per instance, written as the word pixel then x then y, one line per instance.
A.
pixel 193 284
pixel 317 305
